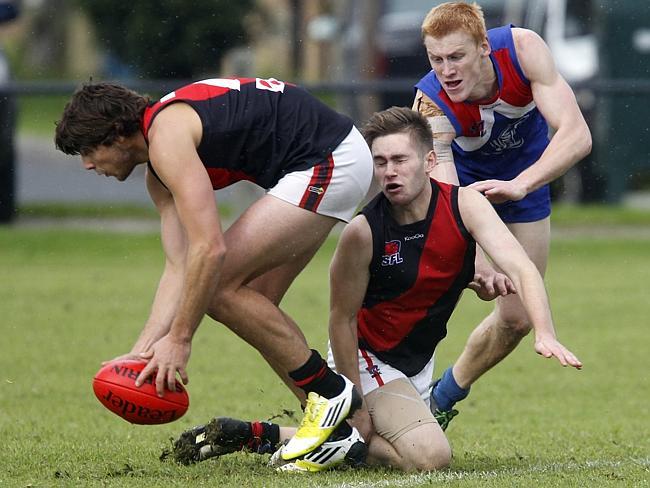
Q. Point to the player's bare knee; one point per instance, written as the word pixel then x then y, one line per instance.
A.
pixel 427 456
pixel 515 325
pixel 220 306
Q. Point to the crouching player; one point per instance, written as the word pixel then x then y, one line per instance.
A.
pixel 398 272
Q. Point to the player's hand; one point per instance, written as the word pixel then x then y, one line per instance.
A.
pixel 499 191
pixel 124 357
pixel 165 358
pixel 489 283
pixel 363 422
pixel 550 347
pixel 488 287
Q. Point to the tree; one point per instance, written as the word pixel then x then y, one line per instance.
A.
pixel 168 38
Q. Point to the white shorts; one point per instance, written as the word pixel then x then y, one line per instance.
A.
pixel 375 373
pixel 334 187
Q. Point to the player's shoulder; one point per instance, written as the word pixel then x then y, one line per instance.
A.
pixel 526 41
pixel 533 54
pixel 357 232
pixel 470 199
pixel 358 227
pixel 173 121
pixel 426 106
pixel 355 246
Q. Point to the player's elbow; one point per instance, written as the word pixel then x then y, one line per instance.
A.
pixel 211 253
pixel 585 142
pixel 217 253
pixel 588 144
pixel 580 138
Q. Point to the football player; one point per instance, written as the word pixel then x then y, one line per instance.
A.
pixel 490 98
pixel 397 274
pixel 202 137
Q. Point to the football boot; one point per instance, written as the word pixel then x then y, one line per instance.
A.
pixel 322 417
pixel 348 451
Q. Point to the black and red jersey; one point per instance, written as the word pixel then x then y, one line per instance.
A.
pixel 417 274
pixel 256 129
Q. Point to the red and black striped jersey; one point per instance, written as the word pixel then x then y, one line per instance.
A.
pixel 417 274
pixel 256 129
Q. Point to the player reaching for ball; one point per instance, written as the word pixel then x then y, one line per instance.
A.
pixel 204 136
pixel 114 387
pixel 397 274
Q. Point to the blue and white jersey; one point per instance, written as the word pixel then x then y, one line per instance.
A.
pixel 500 137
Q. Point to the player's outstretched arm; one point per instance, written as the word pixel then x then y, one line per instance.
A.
pixel 493 236
pixel 349 275
pixel 163 308
pixel 174 135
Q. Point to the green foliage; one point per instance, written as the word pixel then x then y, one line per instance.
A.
pixel 69 300
pixel 169 38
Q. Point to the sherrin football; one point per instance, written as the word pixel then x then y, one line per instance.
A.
pixel 114 386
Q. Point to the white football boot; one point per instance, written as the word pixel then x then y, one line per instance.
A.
pixel 350 451
pixel 322 417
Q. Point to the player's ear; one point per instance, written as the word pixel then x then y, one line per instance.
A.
pixel 484 47
pixel 430 161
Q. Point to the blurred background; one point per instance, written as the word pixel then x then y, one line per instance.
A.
pixel 357 56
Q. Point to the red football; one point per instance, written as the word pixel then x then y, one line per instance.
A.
pixel 114 386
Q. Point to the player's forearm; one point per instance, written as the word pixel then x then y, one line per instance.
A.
pixel 532 292
pixel 163 309
pixel 481 262
pixel 566 148
pixel 199 285
pixel 445 168
pixel 445 173
pixel 345 347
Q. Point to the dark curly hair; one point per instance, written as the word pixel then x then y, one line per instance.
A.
pixel 97 114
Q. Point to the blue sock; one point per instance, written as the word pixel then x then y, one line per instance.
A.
pixel 447 392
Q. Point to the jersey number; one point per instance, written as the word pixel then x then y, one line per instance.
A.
pixel 270 84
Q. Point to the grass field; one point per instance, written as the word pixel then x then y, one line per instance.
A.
pixel 69 299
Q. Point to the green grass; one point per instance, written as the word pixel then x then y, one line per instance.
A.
pixel 70 299
pixel 598 215
pixel 564 216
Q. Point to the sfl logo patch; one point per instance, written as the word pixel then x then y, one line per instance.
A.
pixel 392 253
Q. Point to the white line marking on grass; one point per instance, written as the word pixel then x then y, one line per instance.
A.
pixel 422 478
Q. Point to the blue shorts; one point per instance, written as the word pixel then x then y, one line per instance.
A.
pixel 533 207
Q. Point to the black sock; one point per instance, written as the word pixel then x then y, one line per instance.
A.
pixel 316 376
pixel 264 437
pixel 341 432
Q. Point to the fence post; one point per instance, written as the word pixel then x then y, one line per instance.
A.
pixel 7 157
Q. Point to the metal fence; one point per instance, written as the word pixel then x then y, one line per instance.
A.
pixel 599 86
pixel 615 164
